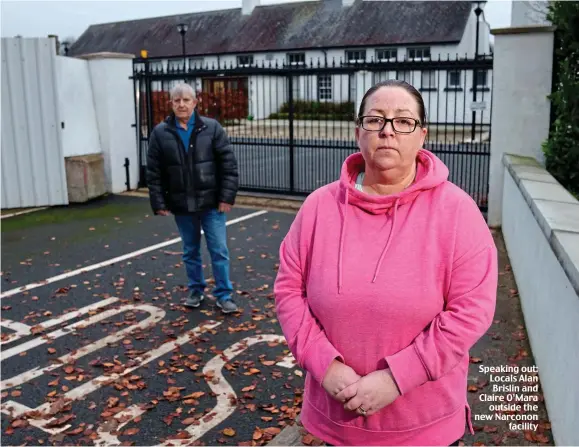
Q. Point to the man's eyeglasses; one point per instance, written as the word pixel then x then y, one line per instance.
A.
pixel 377 123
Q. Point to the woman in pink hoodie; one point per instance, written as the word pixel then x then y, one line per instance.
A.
pixel 387 278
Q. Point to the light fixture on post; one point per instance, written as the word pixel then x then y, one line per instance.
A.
pixel 182 28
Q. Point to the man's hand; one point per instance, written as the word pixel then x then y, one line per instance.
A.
pixel 164 213
pixel 340 377
pixel 224 207
pixel 373 392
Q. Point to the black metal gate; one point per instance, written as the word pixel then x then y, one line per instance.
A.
pixel 292 126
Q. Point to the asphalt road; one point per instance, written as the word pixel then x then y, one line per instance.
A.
pixel 114 357
pixel 266 164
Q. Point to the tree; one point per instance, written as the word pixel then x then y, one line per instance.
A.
pixel 562 148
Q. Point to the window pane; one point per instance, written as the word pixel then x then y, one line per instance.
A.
pixel 481 78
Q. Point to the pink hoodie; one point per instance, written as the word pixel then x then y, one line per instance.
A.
pixel 406 281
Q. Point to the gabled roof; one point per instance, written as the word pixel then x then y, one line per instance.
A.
pixel 284 27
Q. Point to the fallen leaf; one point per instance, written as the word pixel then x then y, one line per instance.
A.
pixel 51 350
pixel 188 421
pixel 229 432
pixel 475 360
pixel 76 431
pixel 273 430
pixel 248 388
pixel 131 431
pixel 472 388
pixel 19 423
pixel 69 369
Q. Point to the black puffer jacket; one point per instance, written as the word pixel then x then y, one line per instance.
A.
pixel 185 182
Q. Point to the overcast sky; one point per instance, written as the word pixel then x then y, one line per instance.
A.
pixel 40 18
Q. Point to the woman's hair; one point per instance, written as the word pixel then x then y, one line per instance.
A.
pixel 396 83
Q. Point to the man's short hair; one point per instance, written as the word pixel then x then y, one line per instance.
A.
pixel 181 90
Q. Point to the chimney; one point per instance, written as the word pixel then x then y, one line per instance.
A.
pixel 247 6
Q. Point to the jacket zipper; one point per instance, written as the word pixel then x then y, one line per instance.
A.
pixel 185 154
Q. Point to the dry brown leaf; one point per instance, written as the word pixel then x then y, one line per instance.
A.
pixel 229 432
pixel 188 421
pixel 131 431
pixel 51 350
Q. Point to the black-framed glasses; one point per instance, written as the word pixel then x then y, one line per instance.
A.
pixel 399 124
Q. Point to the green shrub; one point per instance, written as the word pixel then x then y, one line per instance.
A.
pixel 562 148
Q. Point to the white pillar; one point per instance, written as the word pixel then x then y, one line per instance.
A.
pixel 522 77
pixel 363 81
pixel 114 101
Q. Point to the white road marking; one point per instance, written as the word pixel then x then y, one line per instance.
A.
pixel 133 254
pixel 221 388
pixel 30 344
pixel 6 216
pixel 156 316
pixel 20 330
pixel 17 410
pixel 50 323
pixel 288 362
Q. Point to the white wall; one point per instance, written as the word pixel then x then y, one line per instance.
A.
pixel 115 112
pixel 33 172
pixel 521 108
pixel 80 134
pixel 266 95
pixel 541 231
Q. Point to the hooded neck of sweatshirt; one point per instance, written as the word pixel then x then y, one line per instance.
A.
pixel 430 172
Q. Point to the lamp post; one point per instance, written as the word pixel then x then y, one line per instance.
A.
pixel 182 28
pixel 478 11
pixel 65 44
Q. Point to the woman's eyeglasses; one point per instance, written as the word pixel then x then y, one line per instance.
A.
pixel 399 124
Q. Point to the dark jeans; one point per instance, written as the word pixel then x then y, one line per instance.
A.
pixel 213 224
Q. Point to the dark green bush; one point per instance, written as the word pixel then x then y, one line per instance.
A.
pixel 562 148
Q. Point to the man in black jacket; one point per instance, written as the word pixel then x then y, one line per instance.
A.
pixel 192 174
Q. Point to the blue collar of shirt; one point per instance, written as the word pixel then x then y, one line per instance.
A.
pixel 190 123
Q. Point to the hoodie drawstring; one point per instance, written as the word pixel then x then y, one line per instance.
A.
pixel 341 249
pixel 343 234
pixel 387 242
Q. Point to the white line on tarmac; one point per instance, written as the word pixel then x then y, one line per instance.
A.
pixel 156 316
pixel 49 323
pixel 288 362
pixel 20 329
pixel 16 410
pixel 221 388
pixel 6 216
pixel 133 254
pixel 30 344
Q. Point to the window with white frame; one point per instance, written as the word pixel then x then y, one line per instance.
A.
pixel 419 53
pixel 353 56
pixel 454 80
pixel 481 78
pixel 386 55
pixel 428 79
pixel 245 61
pixel 296 58
pixel 324 87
